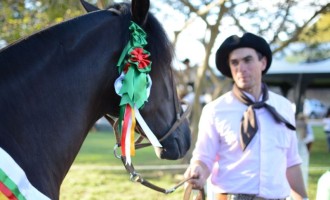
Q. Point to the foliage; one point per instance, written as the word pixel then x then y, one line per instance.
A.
pixel 316 39
pixel 319 32
pixel 21 18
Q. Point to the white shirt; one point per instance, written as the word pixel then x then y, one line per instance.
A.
pixel 261 168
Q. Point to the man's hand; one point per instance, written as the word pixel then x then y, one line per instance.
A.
pixel 199 173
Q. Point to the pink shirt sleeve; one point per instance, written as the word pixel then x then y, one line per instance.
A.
pixel 207 144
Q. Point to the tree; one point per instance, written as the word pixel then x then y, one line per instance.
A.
pixel 318 32
pixel 280 22
pixel 316 40
pixel 21 18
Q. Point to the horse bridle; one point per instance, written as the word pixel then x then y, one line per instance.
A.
pixel 134 176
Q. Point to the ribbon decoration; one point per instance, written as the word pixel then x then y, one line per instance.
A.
pixel 14 184
pixel 133 85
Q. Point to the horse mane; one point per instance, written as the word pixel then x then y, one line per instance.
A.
pixel 157 37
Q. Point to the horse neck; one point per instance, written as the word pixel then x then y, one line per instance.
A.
pixel 52 102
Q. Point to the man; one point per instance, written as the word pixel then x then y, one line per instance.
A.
pixel 246 139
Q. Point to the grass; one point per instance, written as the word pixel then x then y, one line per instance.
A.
pixel 319 160
pixel 90 177
pixel 112 185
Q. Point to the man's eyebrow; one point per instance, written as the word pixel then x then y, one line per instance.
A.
pixel 247 57
pixel 244 58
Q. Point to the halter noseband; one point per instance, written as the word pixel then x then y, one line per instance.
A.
pixel 134 176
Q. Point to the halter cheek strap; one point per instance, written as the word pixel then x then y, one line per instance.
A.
pixel 133 86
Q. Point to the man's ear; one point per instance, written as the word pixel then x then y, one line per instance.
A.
pixel 264 63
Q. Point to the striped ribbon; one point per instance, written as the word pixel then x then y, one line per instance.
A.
pixel 13 181
pixel 127 139
pixel 133 85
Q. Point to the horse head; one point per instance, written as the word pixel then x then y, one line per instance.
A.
pixel 162 112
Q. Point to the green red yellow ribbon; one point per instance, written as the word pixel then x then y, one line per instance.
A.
pixel 134 66
pixel 8 189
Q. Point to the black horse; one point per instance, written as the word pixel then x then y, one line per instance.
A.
pixel 56 83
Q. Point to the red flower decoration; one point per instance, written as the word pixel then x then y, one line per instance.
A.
pixel 138 55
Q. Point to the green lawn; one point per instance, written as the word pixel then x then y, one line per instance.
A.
pixel 319 160
pixel 91 178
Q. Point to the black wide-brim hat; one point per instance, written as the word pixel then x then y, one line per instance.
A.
pixel 234 42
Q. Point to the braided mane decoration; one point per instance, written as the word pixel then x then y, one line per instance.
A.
pixel 133 85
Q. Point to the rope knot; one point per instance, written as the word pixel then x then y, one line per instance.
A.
pixel 258 105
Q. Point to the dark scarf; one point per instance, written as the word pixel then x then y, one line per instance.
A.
pixel 249 125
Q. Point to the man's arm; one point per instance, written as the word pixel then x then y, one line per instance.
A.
pixel 295 178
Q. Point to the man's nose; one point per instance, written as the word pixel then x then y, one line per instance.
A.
pixel 241 67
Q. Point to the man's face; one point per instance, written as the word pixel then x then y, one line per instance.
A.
pixel 246 68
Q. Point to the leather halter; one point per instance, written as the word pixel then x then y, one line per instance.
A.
pixel 134 176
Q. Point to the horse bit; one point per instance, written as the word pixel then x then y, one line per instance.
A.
pixel 134 176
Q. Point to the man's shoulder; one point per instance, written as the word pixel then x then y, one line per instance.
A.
pixel 222 102
pixel 277 97
pixel 280 102
pixel 224 98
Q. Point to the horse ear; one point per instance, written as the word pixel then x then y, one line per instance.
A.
pixel 140 10
pixel 88 7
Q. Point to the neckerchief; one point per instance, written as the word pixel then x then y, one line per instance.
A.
pixel 249 125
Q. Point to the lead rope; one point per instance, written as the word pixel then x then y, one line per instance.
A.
pixel 188 190
pixel 134 176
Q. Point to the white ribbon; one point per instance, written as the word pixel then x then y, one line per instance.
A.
pixel 128 142
pixel 119 83
pixel 151 136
